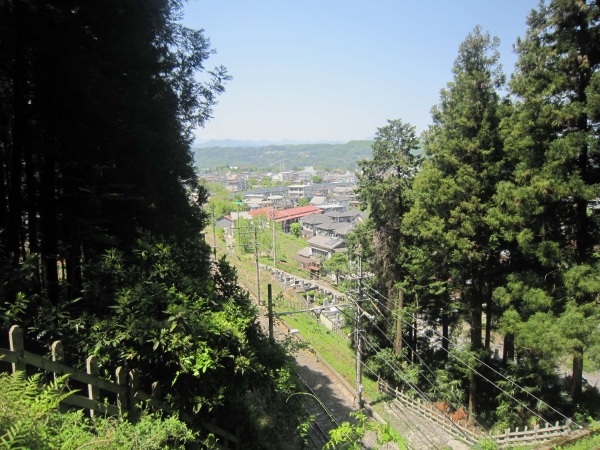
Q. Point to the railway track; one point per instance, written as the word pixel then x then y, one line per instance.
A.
pixel 323 419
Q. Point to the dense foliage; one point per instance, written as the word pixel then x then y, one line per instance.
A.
pixel 496 238
pixel 29 418
pixel 101 210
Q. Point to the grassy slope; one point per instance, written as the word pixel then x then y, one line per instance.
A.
pixel 332 347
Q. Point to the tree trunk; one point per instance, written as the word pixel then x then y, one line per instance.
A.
pixel 48 228
pixel 14 195
pixel 577 375
pixel 3 190
pixel 445 336
pixel 398 340
pixel 31 189
pixel 508 349
pixel 415 328
pixel 488 318
pixel 476 310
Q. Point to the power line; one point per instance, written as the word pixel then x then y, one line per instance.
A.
pixel 415 388
pixel 454 356
pixel 411 385
pixel 423 363
pixel 361 364
pixel 471 368
pixel 406 420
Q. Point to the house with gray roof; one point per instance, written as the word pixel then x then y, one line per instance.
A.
pixel 324 246
pixel 318 200
pixel 329 228
pixel 349 216
pixel 224 222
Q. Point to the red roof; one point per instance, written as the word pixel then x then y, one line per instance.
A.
pixel 287 214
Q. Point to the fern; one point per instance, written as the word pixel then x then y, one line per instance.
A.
pixel 29 419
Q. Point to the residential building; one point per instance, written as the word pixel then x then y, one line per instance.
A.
pixel 304 190
pixel 349 216
pixel 318 200
pixel 288 216
pixel 309 222
pixel 306 260
pixel 342 199
pixel 324 246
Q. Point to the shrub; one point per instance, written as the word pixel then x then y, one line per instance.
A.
pixel 29 419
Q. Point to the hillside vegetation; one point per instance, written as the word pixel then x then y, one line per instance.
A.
pixel 326 156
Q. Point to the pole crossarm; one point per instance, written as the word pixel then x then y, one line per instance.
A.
pixel 318 308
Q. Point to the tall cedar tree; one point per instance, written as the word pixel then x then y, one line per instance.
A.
pixel 553 141
pixel 454 190
pixel 98 101
pixel 385 188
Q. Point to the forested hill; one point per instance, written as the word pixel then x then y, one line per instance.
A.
pixel 338 156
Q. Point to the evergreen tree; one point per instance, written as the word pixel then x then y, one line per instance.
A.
pixel 385 189
pixel 552 139
pixel 98 107
pixel 454 191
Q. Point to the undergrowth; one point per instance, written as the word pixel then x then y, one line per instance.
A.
pixel 29 419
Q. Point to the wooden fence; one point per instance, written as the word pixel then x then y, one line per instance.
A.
pixel 460 431
pixel 125 388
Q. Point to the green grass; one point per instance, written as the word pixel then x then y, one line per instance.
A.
pixel 332 347
pixel 587 443
pixel 290 244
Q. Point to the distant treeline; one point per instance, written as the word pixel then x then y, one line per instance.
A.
pixel 322 156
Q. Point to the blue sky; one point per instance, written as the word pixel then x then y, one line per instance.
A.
pixel 337 70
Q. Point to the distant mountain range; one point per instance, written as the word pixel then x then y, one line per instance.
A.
pixel 289 156
pixel 263 143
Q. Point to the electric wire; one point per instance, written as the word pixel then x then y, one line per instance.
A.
pixel 410 384
pixel 406 419
pixel 466 364
pixel 413 387
pixel 453 356
pixel 423 363
pixel 480 374
pixel 471 368
pixel 416 389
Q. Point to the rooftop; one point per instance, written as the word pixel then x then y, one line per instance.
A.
pixel 286 214
pixel 326 242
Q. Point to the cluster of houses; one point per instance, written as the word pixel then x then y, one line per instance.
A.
pixel 238 182
pixel 325 222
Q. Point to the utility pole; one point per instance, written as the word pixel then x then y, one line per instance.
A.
pixel 257 265
pixel 398 340
pixel 274 239
pixel 358 340
pixel 237 227
pixel 270 305
pixel 214 231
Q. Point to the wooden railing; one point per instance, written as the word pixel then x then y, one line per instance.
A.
pixel 431 413
pixel 458 429
pixel 125 388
